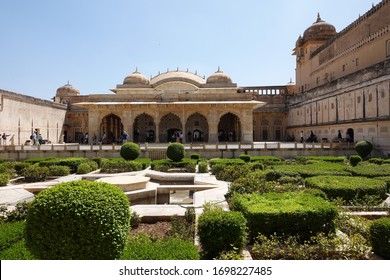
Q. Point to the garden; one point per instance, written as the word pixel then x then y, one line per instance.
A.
pixel 307 207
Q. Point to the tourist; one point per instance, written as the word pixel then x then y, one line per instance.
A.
pixel 4 137
pixel 301 136
pixel 34 137
pixel 86 138
pixel 40 139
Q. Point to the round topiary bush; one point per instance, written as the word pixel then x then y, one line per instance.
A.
pixel 176 151
pixel 78 220
pixel 380 236
pixel 130 151
pixel 363 148
pixel 354 160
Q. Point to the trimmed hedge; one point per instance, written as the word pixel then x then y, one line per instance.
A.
pixel 71 162
pixel 120 165
pixel 78 220
pixel 380 237
pixel 163 165
pixel 370 170
pixel 347 188
pixel 142 248
pixel 4 178
pixel 176 151
pixel 289 213
pixel 203 167
pixel 220 231
pixel 336 159
pixel 225 161
pixel 310 170
pixel 57 170
pixel 35 173
pixel 267 160
pixel 130 151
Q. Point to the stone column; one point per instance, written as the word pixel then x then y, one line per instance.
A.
pixel 93 124
pixel 213 121
pixel 246 120
pixel 127 121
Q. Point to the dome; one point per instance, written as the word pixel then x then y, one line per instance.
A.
pixel 219 78
pixel 136 78
pixel 67 90
pixel 177 76
pixel 319 31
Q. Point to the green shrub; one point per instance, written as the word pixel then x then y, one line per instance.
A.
pixel 347 188
pixel 7 169
pixel 176 151
pixel 335 159
pixel 135 219
pixel 4 178
pixel 141 247
pixel 10 233
pixel 130 151
pixel 57 170
pixel 84 168
pixel 267 160
pixel 78 220
pixel 144 161
pixel 380 237
pixel 195 156
pixel 71 162
pixel 225 161
pixel 286 213
pixel 120 165
pixel 163 165
pixel 249 183
pixel 203 167
pixel 310 170
pixel 363 148
pixel 20 166
pixel 35 173
pixel 246 158
pixel 37 160
pixel 354 160
pixel 229 172
pixel 319 247
pixel 370 170
pixel 376 160
pixel 221 231
pixel 98 160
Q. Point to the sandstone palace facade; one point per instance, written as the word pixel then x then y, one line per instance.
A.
pixel 342 85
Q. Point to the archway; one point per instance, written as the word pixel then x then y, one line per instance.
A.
pixel 144 128
pixel 197 128
pixel 350 135
pixel 229 128
pixel 170 125
pixel 111 129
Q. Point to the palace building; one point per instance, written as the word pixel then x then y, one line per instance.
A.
pixel 342 84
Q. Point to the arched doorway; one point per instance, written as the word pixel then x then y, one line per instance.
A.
pixel 111 129
pixel 350 135
pixel 170 125
pixel 144 129
pixel 229 128
pixel 197 128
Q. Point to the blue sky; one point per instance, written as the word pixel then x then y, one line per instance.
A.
pixel 96 44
